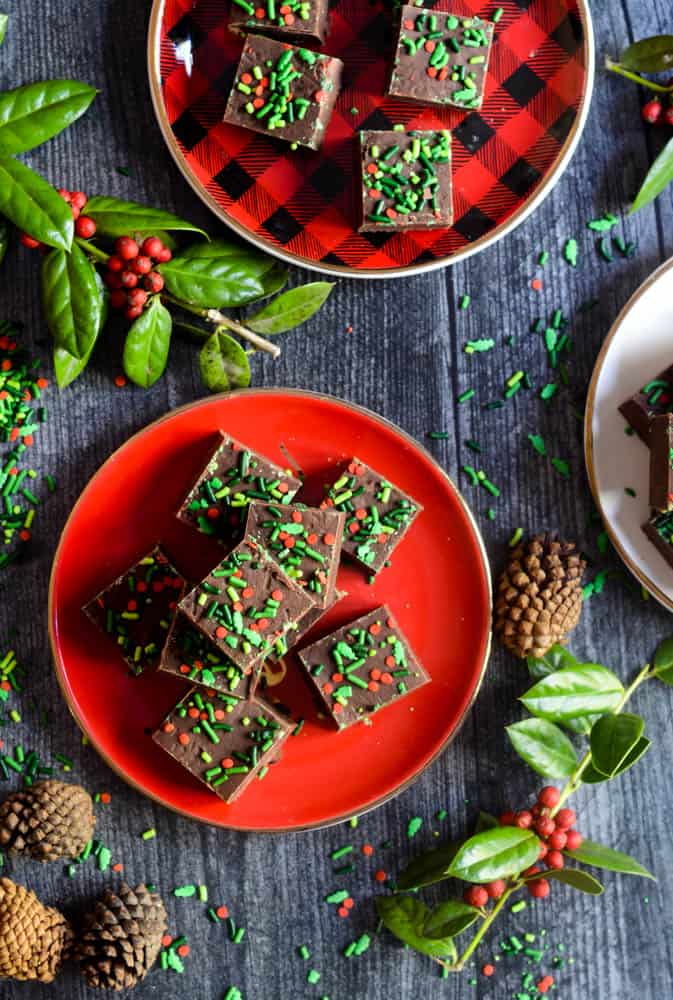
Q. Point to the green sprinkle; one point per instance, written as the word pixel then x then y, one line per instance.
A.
pixel 543 258
pixel 630 492
pixel 149 834
pixel 464 396
pixel 303 952
pixel 341 852
pixel 414 825
pixel 538 444
pixel 184 891
pixel 438 435
pixel 517 908
pixel 570 252
pixel 561 467
pixel 497 14
pixel 516 538
pixel 337 897
pixel 464 301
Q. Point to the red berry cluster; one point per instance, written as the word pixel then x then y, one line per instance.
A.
pixel 654 113
pixel 84 226
pixel 130 275
pixel 556 833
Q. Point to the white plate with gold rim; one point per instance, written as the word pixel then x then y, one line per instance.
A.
pixel 637 348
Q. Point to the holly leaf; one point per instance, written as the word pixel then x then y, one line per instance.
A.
pixel 224 364
pixel 553 660
pixel 649 55
pixel 428 868
pixel 290 309
pixel 114 217
pixel 214 282
pixel 613 738
pixel 581 725
pixel 449 919
pixel 147 343
pixel 66 366
pixel 405 917
pixel 573 692
pixel 34 206
pixel 72 301
pixel 658 178
pixel 544 747
pixel 662 663
pixel 592 776
pixel 34 113
pixel 494 854
pixel 597 856
pixel 576 879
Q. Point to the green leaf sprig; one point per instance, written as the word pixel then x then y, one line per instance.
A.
pixel 583 699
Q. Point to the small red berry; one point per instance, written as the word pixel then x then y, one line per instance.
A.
pixel 668 116
pixel 554 859
pixel 573 840
pixel 78 199
pixel 558 840
pixel 118 299
pixel 85 227
pixel 549 797
pixel 523 820
pixel 152 246
pixel 141 265
pixel 495 889
pixel 533 870
pixel 115 264
pixel 112 280
pixel 74 212
pixel 137 297
pixel 542 853
pixel 476 895
pixel 651 112
pixel 129 279
pixel 126 248
pixel 539 889
pixel 565 818
pixel 536 810
pixel 133 312
pixel 66 195
pixel 153 282
pixel 28 241
pixel 164 255
pixel 545 826
pixel 506 818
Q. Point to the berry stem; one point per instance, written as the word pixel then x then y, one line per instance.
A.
pixel 92 251
pixel 657 88
pixel 218 318
pixel 460 962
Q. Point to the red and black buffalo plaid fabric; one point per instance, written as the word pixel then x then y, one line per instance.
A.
pixel 305 203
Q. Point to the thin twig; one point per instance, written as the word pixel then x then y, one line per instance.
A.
pixel 261 344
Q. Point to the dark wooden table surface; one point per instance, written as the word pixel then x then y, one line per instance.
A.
pixel 403 359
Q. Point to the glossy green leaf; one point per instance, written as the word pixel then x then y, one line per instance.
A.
pixel 658 178
pixel 274 281
pixel 224 364
pixel 4 239
pixel 147 343
pixel 428 868
pixel 405 917
pixel 649 55
pixel 34 206
pixel 449 919
pixel 4 18
pixel 67 367
pixel 290 309
pixel 573 692
pixel 613 737
pixel 71 300
pixel 34 113
pixel 662 664
pixel 597 856
pixel 582 725
pixel 224 248
pixel 119 218
pixel 553 660
pixel 544 747
pixel 493 854
pixel 592 776
pixel 213 282
pixel 485 821
pixel 576 879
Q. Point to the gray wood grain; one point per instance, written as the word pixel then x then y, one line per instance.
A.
pixel 404 359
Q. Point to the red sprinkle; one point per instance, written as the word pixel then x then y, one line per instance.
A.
pixel 367 850
pixel 488 970
pixel 380 875
pixel 222 912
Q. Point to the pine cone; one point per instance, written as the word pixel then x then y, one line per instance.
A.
pixel 50 820
pixel 539 596
pixel 121 938
pixel 35 940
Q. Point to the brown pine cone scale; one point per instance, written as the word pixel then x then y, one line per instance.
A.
pixel 539 596
pixel 35 940
pixel 47 821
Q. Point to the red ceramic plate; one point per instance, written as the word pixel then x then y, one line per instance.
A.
pixel 438 587
pixel 301 205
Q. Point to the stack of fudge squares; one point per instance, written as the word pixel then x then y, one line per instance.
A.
pixel 649 413
pixel 289 91
pixel 277 577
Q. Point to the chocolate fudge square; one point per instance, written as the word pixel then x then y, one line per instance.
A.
pixel 189 654
pixel 234 477
pixel 137 609
pixel 655 398
pixel 406 180
pixel 363 667
pixel 284 91
pixel 378 513
pixel 661 462
pixel 304 541
pixel 441 58
pixel 294 635
pixel 659 530
pixel 224 743
pixel 292 20
pixel 246 605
